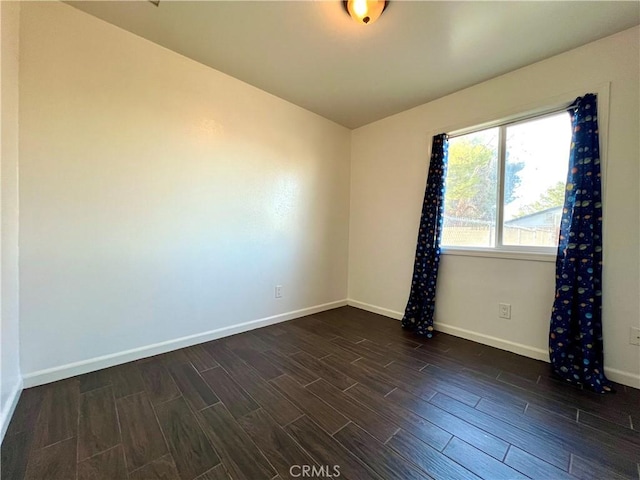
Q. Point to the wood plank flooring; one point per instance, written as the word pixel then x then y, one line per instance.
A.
pixel 344 391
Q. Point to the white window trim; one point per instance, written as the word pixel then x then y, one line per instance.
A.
pixel 527 254
pixel 524 113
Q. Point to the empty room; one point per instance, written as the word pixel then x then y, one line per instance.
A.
pixel 319 239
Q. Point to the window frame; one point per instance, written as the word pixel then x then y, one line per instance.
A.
pixel 541 109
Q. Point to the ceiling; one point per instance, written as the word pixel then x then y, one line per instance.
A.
pixel 313 55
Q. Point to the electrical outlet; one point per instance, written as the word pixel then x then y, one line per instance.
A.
pixel 634 336
pixel 278 291
pixel 504 310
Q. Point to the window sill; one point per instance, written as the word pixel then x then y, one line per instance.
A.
pixel 503 254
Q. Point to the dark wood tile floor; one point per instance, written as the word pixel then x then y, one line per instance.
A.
pixel 345 390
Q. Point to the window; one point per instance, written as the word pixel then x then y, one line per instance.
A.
pixel 505 185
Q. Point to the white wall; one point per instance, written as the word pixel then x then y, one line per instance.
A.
pixel 161 198
pixel 10 379
pixel 388 175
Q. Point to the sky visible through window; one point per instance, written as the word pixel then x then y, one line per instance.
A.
pixel 543 146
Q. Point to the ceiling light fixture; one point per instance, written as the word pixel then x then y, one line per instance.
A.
pixel 365 11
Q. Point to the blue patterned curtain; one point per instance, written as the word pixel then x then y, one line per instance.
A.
pixel 418 315
pixel 575 336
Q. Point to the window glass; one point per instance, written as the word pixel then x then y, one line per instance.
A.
pixel 522 184
pixel 536 162
pixel 471 190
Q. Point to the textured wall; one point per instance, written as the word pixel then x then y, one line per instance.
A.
pixel 10 379
pixel 161 198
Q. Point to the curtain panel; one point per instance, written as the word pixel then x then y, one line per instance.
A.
pixel 418 315
pixel 575 336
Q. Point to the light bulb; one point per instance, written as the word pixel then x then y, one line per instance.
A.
pixel 360 8
pixel 365 11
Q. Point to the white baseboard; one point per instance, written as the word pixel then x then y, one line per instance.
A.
pixel 509 346
pixel 85 366
pixel 375 309
pixel 620 376
pixel 9 408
